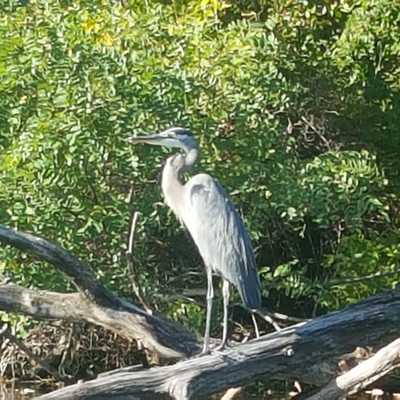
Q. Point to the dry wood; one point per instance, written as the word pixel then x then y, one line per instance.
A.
pixel 361 376
pixel 232 393
pixel 308 351
pixel 93 303
pixel 133 275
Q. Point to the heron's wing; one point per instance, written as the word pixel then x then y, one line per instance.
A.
pixel 219 233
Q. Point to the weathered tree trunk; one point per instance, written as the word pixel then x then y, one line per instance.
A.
pixel 93 303
pixel 362 375
pixel 308 352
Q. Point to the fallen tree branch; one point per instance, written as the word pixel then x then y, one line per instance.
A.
pixel 93 303
pixel 361 376
pixel 318 344
pixel 78 272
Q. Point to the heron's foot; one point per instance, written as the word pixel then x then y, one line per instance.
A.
pixel 204 352
pixel 222 346
pixel 208 351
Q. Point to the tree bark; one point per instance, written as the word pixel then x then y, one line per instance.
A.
pixel 308 352
pixel 361 376
pixel 93 302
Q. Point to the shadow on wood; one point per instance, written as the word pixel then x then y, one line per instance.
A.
pixel 92 303
pixel 309 351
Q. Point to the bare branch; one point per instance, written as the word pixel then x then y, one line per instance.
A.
pixel 70 265
pixel 364 278
pixel 319 344
pixel 94 303
pixel 133 275
pixel 361 376
pixel 232 393
pixel 267 318
pixel 282 317
pixel 157 334
pixel 41 304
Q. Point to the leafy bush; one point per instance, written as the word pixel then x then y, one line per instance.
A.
pixel 271 91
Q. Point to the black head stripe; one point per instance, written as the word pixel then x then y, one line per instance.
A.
pixel 181 131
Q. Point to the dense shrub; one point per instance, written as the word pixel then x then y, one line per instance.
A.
pixel 289 101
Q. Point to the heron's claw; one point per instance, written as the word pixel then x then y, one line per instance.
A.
pixel 222 346
pixel 204 352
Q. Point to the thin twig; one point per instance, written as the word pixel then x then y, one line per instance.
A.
pixel 280 317
pixel 5 332
pixel 268 319
pixel 317 132
pixel 253 317
pixel 265 316
pixel 133 275
pixel 272 317
pixel 362 278
pixel 232 393
pixel 134 218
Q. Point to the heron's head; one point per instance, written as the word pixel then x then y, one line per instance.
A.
pixel 173 137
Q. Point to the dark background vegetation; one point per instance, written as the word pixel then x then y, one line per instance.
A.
pixel 295 105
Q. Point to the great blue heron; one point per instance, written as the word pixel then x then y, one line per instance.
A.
pixel 217 229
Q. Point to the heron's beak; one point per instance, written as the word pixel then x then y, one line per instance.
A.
pixel 149 139
pixel 157 139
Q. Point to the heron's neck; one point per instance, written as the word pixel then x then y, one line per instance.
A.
pixel 172 186
pixel 190 159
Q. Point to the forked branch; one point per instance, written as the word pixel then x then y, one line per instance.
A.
pixel 93 303
pixel 361 376
pixel 308 352
pixel 318 344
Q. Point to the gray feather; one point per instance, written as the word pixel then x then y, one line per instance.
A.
pixel 221 237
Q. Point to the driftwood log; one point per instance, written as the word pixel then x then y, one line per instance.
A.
pixel 92 303
pixel 309 352
pixel 359 377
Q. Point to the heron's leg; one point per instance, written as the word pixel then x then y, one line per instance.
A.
pixel 253 317
pixel 225 295
pixel 210 296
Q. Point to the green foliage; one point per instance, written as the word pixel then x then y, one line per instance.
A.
pixel 188 313
pixel 367 56
pixel 289 101
pixel 19 324
pixel 376 260
pixel 334 188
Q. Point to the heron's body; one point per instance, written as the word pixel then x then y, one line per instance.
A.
pixel 205 209
pixel 217 229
